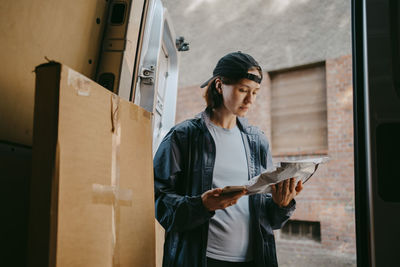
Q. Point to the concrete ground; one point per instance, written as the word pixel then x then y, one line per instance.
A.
pixel 320 259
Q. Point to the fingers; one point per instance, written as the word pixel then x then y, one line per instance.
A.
pixel 292 184
pixel 228 202
pixel 280 188
pixel 214 192
pixel 283 187
pixel 232 199
pixel 234 194
pixel 284 191
pixel 273 189
pixel 240 193
pixel 299 187
pixel 286 187
pixel 213 199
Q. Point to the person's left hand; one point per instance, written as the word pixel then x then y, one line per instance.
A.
pixel 285 191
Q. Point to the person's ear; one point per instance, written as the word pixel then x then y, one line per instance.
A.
pixel 218 85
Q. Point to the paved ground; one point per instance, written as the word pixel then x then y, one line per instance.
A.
pixel 286 259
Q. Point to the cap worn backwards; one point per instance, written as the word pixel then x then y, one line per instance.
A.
pixel 235 65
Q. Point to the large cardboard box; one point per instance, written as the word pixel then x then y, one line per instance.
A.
pixel 92 193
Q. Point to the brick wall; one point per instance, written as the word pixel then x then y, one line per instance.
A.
pixel 189 103
pixel 329 196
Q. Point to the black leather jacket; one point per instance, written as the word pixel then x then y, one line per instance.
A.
pixel 183 170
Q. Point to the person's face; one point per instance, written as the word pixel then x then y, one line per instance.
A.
pixel 239 97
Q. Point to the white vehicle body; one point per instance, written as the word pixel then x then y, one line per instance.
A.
pixel 139 60
pixel 159 57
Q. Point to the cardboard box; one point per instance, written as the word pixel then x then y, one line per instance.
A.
pixel 92 192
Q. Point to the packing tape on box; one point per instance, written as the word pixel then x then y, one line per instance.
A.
pixel 113 194
pixel 107 194
pixel 116 142
pixel 133 113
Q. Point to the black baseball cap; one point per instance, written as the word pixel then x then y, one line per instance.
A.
pixel 235 66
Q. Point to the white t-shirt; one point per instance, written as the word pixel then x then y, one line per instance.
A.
pixel 229 234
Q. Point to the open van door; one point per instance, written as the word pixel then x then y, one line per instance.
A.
pixel 157 82
pixel 139 59
pixel 148 77
pixel 156 86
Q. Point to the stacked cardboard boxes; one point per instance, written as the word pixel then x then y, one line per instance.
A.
pixel 91 199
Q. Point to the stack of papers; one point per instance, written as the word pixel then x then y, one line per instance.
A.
pixel 299 169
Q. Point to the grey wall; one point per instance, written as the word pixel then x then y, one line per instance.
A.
pixel 278 33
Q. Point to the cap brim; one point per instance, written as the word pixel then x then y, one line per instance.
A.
pixel 206 82
pixel 249 76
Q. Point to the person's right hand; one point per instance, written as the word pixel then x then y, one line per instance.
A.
pixel 214 200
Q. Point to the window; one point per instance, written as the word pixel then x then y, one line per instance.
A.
pixel 298 111
pixel 295 229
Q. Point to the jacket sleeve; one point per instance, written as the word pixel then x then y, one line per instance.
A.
pixel 173 211
pixel 276 215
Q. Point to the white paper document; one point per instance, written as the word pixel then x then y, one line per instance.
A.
pixel 299 169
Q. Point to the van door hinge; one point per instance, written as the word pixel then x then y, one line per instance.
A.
pixel 147 75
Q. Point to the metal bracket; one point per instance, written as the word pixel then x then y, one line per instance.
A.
pixel 181 45
pixel 147 75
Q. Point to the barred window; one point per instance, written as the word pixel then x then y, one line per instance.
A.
pixel 298 111
pixel 295 229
